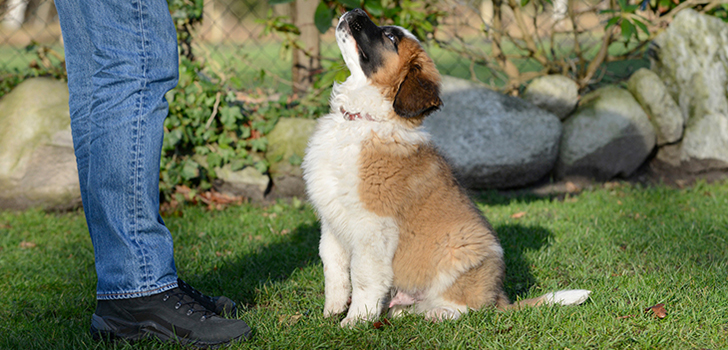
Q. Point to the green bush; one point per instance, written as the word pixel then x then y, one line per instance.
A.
pixel 210 126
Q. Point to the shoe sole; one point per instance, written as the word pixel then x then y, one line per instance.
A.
pixel 101 330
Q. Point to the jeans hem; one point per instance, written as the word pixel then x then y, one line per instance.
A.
pixel 139 294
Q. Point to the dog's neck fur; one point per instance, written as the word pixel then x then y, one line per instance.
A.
pixel 357 96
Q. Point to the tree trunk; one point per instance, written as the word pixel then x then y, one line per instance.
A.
pixel 213 19
pixel 305 62
pixel 15 15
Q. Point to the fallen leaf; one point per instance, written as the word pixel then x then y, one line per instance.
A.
pixel 289 320
pixel 27 245
pixel 572 187
pixel 518 215
pixel 225 252
pixel 504 330
pixel 256 98
pixel 570 199
pixel 381 323
pixel 658 310
pixel 611 185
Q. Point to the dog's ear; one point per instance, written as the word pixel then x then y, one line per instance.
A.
pixel 419 92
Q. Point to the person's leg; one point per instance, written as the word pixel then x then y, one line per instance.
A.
pixel 118 110
pixel 121 58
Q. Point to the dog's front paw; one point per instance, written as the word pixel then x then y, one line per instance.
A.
pixel 333 309
pixel 355 316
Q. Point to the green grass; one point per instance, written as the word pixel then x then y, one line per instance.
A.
pixel 632 246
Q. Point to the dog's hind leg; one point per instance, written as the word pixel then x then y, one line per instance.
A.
pixel 436 308
pixel 337 285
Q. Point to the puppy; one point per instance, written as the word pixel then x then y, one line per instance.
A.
pixel 397 230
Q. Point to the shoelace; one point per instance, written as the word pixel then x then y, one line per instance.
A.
pixel 205 300
pixel 185 300
pixel 195 293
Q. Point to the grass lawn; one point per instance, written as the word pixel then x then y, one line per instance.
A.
pixel 634 247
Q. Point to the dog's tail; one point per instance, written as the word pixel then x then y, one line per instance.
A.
pixel 562 297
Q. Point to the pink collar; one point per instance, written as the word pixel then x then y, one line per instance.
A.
pixel 354 116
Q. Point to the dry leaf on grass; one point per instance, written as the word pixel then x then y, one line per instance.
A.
pixel 572 187
pixel 381 323
pixel 225 252
pixel 658 310
pixel 518 215
pixel 27 245
pixel 504 330
pixel 289 320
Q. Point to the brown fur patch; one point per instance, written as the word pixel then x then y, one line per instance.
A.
pixel 410 80
pixel 441 232
pixel 480 286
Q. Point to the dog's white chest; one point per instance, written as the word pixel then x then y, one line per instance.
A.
pixel 331 166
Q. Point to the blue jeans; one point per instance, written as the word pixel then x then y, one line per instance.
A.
pixel 121 58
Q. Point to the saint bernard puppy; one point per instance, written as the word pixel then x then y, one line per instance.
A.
pixel 397 230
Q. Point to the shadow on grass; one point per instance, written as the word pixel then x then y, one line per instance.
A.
pixel 271 263
pixel 516 241
pixel 502 198
pixel 276 262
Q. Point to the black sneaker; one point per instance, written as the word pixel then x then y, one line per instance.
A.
pixel 169 316
pixel 221 305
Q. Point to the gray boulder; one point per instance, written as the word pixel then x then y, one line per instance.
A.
pixel 493 140
pixel 664 113
pixel 692 60
pixel 554 93
pixel 608 135
pixel 248 182
pixel 286 147
pixel 37 163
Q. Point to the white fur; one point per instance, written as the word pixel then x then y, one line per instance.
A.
pixel 357 246
pixel 566 297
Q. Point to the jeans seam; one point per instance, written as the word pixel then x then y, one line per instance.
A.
pixel 138 166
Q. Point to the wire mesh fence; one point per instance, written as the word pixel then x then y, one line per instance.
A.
pixel 233 42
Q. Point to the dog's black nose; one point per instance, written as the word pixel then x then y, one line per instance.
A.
pixel 358 12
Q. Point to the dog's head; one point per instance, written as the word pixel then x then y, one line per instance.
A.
pixel 392 59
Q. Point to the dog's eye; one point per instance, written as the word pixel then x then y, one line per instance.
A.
pixel 390 36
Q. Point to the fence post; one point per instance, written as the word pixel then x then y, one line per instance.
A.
pixel 305 62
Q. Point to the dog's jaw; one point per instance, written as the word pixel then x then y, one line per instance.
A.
pixel 349 50
pixel 356 94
